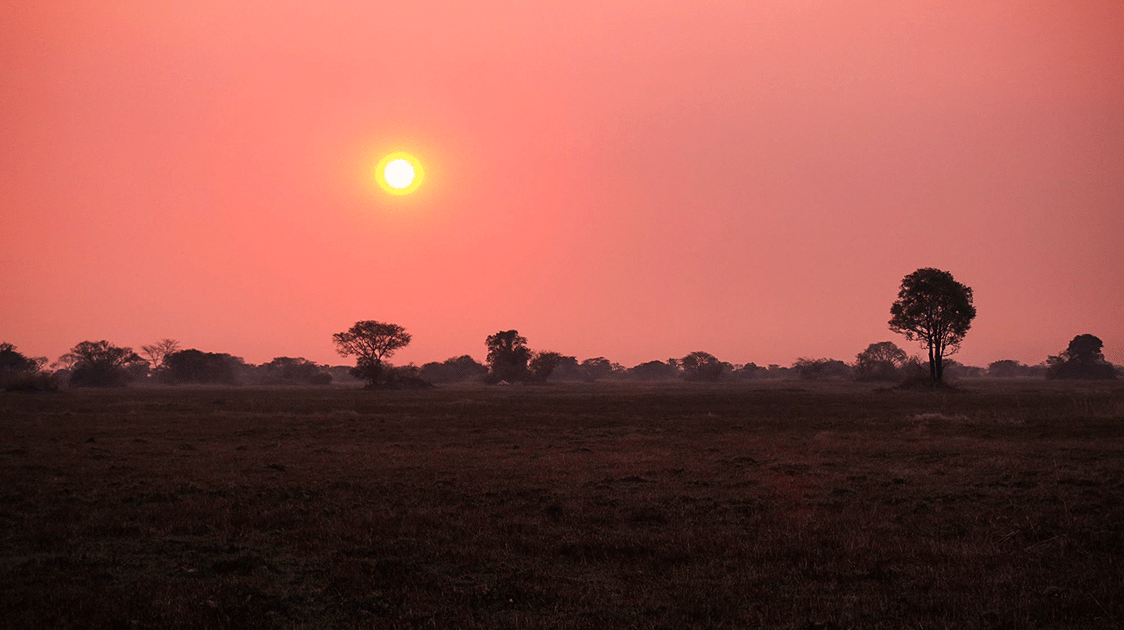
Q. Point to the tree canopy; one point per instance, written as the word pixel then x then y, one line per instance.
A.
pixel 102 364
pixel 196 366
pixel 1081 359
pixel 936 310
pixel 371 342
pixel 880 361
pixel 701 366
pixel 508 356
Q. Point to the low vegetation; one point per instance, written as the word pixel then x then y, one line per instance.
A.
pixel 783 505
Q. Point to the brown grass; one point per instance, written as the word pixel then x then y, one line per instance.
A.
pixel 775 506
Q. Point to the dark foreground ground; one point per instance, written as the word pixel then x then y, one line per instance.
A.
pixel 782 506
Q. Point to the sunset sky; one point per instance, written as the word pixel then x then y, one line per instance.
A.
pixel 635 180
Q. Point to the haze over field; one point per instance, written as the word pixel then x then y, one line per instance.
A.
pixel 619 179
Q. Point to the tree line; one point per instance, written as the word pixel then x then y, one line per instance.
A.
pixel 932 309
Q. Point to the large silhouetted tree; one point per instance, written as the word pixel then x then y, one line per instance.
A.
pixel 880 361
pixel 936 310
pixel 1082 359
pixel 102 364
pixel 371 342
pixel 508 355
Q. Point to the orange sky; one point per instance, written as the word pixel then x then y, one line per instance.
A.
pixel 630 179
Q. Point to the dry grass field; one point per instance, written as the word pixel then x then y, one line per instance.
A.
pixel 783 505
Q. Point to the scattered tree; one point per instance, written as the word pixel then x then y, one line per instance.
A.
pixel 542 365
pixel 1082 359
pixel 702 366
pixel 596 369
pixel 880 361
pixel 18 372
pixel 102 364
pixel 371 342
pixel 936 310
pixel 13 363
pixel 158 352
pixel 508 356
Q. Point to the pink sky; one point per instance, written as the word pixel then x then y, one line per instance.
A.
pixel 636 180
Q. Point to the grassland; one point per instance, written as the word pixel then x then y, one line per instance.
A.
pixel 767 506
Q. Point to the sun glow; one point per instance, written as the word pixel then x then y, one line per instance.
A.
pixel 399 173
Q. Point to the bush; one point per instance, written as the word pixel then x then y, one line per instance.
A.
pixel 31 382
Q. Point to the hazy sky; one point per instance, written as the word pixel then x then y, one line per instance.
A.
pixel 630 179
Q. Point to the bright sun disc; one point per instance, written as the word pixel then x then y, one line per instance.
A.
pixel 399 173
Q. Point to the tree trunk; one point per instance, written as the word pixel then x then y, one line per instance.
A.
pixel 932 365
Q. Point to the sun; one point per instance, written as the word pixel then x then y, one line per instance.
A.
pixel 399 173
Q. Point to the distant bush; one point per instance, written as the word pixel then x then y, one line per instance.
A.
pixel 293 371
pixel 196 366
pixel 956 369
pixel 653 371
pixel 403 377
pixel 1008 368
pixel 453 370
pixel 821 369
pixel 30 382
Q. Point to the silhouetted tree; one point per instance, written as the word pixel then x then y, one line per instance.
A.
pixel 1083 359
pixel 596 369
pixel 542 365
pixel 371 342
pixel 508 355
pixel 102 364
pixel 936 310
pixel 13 363
pixel 701 366
pixel 880 361
pixel 158 352
pixel 19 372
pixel 196 366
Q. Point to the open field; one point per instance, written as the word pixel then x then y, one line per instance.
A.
pixel 784 505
